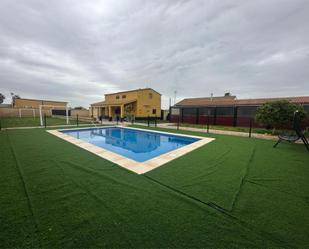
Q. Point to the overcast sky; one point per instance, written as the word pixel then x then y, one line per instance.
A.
pixel 79 50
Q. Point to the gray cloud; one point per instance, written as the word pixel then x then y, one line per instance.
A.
pixel 80 50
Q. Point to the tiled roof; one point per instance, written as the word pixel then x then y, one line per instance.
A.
pixel 227 102
pixel 120 102
pixel 98 103
pixel 140 89
pixel 206 101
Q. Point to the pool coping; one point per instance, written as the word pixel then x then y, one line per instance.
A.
pixel 127 163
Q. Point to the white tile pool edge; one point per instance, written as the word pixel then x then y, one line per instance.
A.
pixel 127 163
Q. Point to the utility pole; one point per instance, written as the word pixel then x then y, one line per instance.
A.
pixel 175 92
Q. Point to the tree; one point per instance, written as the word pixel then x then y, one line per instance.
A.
pixel 227 94
pixel 278 114
pixel 14 97
pixel 2 98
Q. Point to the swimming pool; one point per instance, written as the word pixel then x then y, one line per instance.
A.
pixel 134 149
pixel 138 145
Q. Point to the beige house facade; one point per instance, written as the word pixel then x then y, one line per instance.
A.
pixel 136 104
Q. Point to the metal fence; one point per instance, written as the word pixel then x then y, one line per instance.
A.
pixel 207 125
pixel 223 115
pixel 237 116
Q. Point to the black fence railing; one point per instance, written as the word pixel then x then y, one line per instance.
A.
pixel 208 126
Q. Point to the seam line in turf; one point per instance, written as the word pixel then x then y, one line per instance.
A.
pixel 223 211
pixel 30 206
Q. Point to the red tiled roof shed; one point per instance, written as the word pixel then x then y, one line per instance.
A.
pixel 236 102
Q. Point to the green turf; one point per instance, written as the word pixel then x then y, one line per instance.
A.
pixel 232 193
pixel 9 122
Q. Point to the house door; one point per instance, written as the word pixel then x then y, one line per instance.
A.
pixel 117 112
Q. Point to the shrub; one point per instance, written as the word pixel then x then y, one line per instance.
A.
pixel 278 114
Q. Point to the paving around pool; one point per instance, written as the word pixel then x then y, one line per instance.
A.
pixel 224 192
pixel 135 149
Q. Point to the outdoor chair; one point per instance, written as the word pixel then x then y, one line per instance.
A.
pixel 294 137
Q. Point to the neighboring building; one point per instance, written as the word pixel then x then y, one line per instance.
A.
pixel 227 110
pixel 138 104
pixel 5 105
pixel 165 114
pixel 31 108
pixel 35 103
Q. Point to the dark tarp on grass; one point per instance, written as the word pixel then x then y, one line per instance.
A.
pixel 54 194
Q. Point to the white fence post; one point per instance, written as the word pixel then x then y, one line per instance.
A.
pixel 41 118
pixel 67 114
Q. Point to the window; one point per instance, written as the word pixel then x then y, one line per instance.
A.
pixel 225 111
pixel 117 97
pixel 189 111
pixel 124 96
pixel 306 107
pixel 154 111
pixel 246 111
pixel 204 111
pixel 150 95
pixel 175 111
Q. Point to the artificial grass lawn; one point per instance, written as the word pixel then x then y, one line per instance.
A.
pixel 233 192
pixel 30 121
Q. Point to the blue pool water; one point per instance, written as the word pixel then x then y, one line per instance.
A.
pixel 134 144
